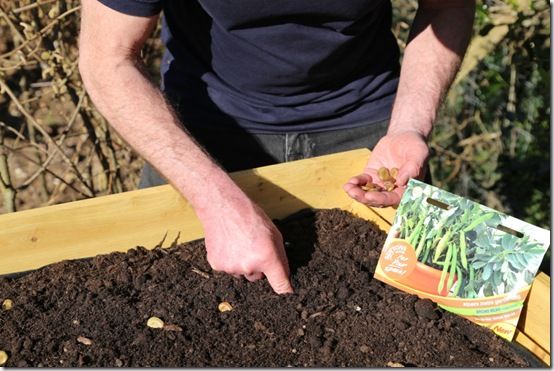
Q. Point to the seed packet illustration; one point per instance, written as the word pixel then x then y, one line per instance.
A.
pixel 470 259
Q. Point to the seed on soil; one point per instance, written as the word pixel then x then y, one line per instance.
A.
pixel 155 322
pixel 84 340
pixel 224 306
pixel 395 364
pixel 7 304
pixel 3 357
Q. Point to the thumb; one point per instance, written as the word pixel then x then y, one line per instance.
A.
pixel 278 279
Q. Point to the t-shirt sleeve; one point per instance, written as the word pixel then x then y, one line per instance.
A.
pixel 139 8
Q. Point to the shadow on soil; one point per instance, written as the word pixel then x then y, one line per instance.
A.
pixel 299 252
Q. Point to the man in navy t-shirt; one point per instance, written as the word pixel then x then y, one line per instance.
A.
pixel 248 83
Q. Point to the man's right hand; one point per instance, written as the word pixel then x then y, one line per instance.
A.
pixel 241 240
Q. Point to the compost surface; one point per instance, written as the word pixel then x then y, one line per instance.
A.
pixel 93 312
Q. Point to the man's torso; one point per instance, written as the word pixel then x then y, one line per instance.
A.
pixel 276 66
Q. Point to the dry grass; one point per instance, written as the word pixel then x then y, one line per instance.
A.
pixel 55 147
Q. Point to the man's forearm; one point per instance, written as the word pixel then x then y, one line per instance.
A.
pixel 140 114
pixel 438 39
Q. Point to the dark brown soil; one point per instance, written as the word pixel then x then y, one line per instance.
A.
pixel 338 315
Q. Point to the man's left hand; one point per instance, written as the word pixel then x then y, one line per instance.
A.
pixel 406 150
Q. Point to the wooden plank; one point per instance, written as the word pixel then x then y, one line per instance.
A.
pixel 34 238
pixel 535 317
pixel 533 347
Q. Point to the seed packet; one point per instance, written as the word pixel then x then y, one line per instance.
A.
pixel 470 259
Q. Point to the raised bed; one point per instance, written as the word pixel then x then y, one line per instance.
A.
pixel 35 238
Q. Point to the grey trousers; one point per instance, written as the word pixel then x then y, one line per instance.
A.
pixel 237 150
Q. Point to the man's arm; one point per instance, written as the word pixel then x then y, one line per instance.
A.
pixel 438 40
pixel 240 238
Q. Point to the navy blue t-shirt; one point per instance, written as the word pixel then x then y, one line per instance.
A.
pixel 276 65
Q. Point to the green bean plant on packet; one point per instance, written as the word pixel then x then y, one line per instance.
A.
pixel 472 260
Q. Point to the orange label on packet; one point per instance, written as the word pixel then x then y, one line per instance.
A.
pixel 398 259
pixel 470 259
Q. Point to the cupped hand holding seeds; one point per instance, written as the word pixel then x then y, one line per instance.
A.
pixel 406 151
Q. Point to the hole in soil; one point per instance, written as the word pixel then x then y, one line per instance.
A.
pixel 437 203
pixel 508 230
